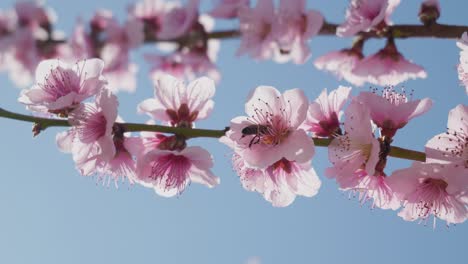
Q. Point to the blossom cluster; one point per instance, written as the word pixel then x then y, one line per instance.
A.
pixel 98 140
pixel 187 49
pixel 272 151
pixel 273 145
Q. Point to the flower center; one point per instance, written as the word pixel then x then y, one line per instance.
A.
pixel 430 198
pixel 182 117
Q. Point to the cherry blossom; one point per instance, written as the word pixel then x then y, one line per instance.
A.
pixel 91 139
pixel 323 116
pixel 275 119
pixel 169 172
pixel 33 14
pixel 190 61
pixel 111 42
pixel 60 88
pixel 357 165
pixel 26 37
pixel 341 63
pixel 376 188
pixel 388 67
pixel 256 25
pixel 280 182
pixel 151 13
pixel 356 150
pixel 294 27
pixel 393 110
pixel 178 104
pixel 179 20
pixel 452 146
pixel 228 8
pixel 432 190
pixel 365 15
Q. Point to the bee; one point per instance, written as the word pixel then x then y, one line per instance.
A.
pixel 257 130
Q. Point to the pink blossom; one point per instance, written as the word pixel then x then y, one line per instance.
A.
pixel 178 21
pixel 169 172
pixel 356 153
pixel 393 110
pixel 376 188
pixel 183 65
pixel 388 67
pixel 356 160
pixel 432 189
pixel 7 26
pixel 323 116
pixel 294 27
pixel 463 66
pixel 190 61
pixel 341 63
pixel 365 15
pixel 178 104
pixel 256 26
pixel 228 8
pixel 115 53
pixel 280 182
pixel 118 40
pixel 60 88
pixel 148 141
pixel 33 14
pixel 119 71
pixel 122 166
pixel 151 13
pixel 91 137
pixel 452 146
pixel 270 131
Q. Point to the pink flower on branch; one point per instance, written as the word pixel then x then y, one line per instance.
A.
pixel 280 35
pixel 170 172
pixel 356 150
pixel 357 164
pixel 228 8
pixel 341 64
pixel 178 104
pixel 91 138
pixel 60 88
pixel 280 182
pixel 365 15
pixel 293 28
pixel 32 14
pixel 432 190
pixel 256 26
pixel 388 67
pixel 393 110
pixel 270 131
pixel 191 59
pixel 151 13
pixel 111 42
pixel 452 146
pixel 323 116
pixel 178 21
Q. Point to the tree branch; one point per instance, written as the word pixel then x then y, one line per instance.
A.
pixel 43 123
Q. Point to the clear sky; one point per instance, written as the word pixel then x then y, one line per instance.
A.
pixel 50 214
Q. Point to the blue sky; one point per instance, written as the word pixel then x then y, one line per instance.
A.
pixel 50 214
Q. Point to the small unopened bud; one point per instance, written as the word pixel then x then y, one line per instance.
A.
pixel 429 12
pixel 37 128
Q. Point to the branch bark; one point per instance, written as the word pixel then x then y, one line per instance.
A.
pixel 44 123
